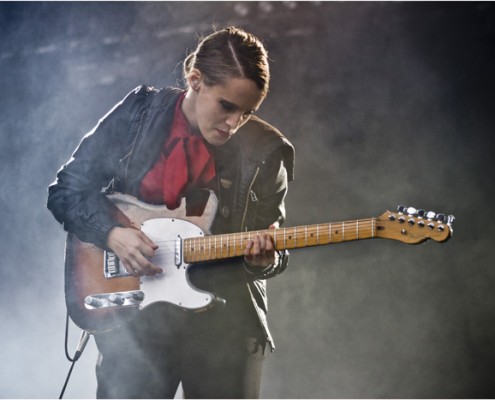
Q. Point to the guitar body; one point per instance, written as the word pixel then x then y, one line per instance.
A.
pixel 90 272
pixel 84 277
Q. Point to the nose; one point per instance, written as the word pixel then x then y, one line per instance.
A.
pixel 235 120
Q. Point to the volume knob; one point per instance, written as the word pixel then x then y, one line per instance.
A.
pixel 93 302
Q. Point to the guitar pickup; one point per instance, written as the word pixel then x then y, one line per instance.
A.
pixel 178 252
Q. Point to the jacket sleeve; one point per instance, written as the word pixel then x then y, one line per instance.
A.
pixel 76 198
pixel 269 195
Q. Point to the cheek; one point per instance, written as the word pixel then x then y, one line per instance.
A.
pixel 204 109
pixel 209 115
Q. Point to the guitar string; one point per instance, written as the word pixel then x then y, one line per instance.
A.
pixel 357 225
pixel 365 228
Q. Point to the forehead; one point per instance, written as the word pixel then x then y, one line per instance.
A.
pixel 241 92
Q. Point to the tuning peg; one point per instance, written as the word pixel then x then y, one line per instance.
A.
pixel 430 214
pixel 421 213
pixel 401 209
pixel 411 211
pixel 93 302
pixel 450 219
pixel 440 217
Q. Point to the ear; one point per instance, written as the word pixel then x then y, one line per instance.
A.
pixel 194 79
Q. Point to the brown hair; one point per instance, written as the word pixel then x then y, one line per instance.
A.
pixel 230 53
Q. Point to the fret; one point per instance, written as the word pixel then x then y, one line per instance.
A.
pixel 216 248
pixel 317 235
pixel 243 239
pixel 228 245
pixel 357 229
pixel 237 243
pixel 222 238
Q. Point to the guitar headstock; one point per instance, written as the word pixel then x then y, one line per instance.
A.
pixel 413 226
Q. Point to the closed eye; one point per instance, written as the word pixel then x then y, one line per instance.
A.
pixel 227 106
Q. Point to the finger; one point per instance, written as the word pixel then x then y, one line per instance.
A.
pixel 148 241
pixel 247 249
pixel 256 250
pixel 146 267
pixel 146 251
pixel 263 242
pixel 130 268
pixel 269 246
pixel 137 265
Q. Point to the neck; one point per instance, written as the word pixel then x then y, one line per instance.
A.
pixel 188 109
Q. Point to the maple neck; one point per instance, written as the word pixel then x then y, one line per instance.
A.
pixel 217 247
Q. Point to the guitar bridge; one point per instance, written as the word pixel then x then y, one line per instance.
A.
pixel 112 267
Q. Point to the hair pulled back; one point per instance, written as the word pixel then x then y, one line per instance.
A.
pixel 230 53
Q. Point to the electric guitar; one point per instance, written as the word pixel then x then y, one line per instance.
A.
pixel 101 294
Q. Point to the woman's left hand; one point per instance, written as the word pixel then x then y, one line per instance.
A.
pixel 260 251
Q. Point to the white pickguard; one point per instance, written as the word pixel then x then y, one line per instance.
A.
pixel 172 285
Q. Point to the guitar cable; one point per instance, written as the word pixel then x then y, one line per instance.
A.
pixel 83 340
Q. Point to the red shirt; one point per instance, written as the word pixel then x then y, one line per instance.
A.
pixel 185 162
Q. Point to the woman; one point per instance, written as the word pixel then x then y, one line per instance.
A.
pixel 161 146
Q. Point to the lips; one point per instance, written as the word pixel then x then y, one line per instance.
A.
pixel 223 134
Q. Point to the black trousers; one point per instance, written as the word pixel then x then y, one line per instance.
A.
pixel 215 354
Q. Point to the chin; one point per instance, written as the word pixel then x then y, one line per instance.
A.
pixel 217 139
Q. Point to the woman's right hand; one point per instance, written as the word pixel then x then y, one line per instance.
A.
pixel 134 249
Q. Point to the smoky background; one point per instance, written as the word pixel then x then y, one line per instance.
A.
pixel 387 103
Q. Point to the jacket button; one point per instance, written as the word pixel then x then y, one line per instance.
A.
pixel 225 211
pixel 226 183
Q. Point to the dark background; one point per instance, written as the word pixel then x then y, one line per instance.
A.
pixel 387 103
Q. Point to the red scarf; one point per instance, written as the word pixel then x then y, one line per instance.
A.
pixel 185 162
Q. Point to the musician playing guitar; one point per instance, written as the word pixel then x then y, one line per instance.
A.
pixel 161 147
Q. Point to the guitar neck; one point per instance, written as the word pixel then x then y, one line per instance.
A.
pixel 218 247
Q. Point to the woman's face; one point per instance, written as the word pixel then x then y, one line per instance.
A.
pixel 218 111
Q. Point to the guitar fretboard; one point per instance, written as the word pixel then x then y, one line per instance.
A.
pixel 217 247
